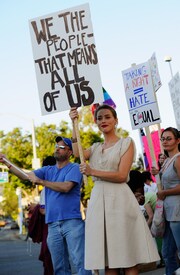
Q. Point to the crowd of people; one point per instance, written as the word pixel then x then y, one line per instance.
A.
pixel 115 235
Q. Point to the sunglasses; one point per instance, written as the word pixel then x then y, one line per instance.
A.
pixel 166 139
pixel 60 146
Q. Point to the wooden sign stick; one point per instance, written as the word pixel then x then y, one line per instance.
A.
pixel 159 130
pixel 81 155
pixel 159 134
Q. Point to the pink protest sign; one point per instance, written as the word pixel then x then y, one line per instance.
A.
pixel 156 145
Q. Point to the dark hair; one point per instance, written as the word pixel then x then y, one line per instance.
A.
pixel 146 175
pixel 159 155
pixel 135 180
pixel 175 133
pixel 50 160
pixel 107 107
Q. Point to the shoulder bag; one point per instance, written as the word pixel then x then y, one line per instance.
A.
pixel 158 223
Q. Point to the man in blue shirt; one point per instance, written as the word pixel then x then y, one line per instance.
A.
pixel 62 184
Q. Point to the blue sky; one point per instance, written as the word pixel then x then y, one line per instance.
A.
pixel 126 32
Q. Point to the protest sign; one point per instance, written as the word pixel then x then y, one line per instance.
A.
pixel 156 146
pixel 140 96
pixel 65 59
pixel 174 87
pixel 155 72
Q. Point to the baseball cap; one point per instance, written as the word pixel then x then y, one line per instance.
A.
pixel 67 141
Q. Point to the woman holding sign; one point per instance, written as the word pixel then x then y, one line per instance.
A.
pixel 117 235
pixel 170 179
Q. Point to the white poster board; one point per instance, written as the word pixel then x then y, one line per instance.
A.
pixel 142 104
pixel 155 72
pixel 65 59
pixel 174 87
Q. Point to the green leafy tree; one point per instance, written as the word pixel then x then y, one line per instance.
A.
pixel 9 205
pixel 45 137
pixel 17 146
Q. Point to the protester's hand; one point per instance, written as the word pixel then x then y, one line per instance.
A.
pixel 154 171
pixel 85 169
pixel 160 195
pixel 73 113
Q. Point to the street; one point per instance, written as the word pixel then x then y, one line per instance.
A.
pixel 20 257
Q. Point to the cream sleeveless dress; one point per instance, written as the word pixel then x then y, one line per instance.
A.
pixel 117 234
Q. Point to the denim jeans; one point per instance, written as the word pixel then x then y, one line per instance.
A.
pixel 66 242
pixel 170 246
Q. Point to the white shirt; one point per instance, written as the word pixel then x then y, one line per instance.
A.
pixel 150 188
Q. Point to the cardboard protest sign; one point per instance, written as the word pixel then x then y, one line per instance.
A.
pixel 142 104
pixel 174 87
pixel 155 72
pixel 65 59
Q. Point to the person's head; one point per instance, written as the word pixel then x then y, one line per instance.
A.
pixel 106 117
pixel 63 148
pixel 135 180
pixel 50 160
pixel 161 159
pixel 147 178
pixel 170 138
